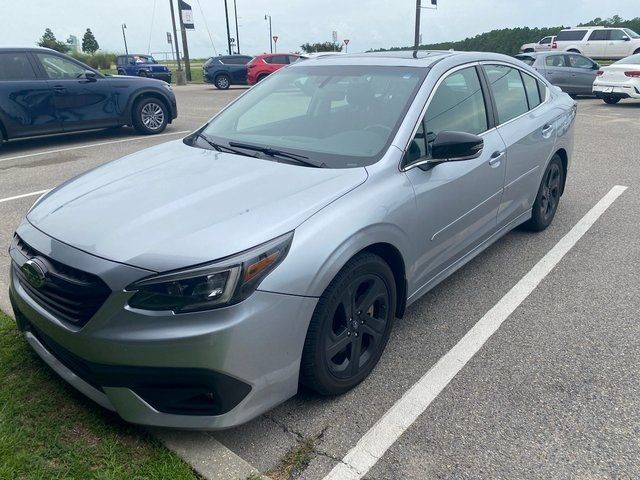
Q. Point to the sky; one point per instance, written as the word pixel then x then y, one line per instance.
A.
pixel 366 23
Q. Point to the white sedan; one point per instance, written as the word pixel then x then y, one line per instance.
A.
pixel 619 80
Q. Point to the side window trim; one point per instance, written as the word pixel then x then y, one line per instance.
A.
pixel 489 101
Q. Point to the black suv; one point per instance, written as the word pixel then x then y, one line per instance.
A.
pixel 226 70
pixel 43 91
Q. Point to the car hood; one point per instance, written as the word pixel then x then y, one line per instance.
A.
pixel 173 205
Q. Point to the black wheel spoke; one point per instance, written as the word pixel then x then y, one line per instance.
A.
pixel 375 291
pixel 374 326
pixel 338 343
pixel 347 301
pixel 356 353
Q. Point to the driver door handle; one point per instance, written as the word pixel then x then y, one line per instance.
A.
pixel 59 89
pixel 496 157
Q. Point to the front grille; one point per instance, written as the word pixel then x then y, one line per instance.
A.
pixel 67 293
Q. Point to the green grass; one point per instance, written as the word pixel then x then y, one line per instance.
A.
pixel 196 72
pixel 48 430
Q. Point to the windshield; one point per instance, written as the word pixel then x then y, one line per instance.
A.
pixel 143 59
pixel 342 116
pixel 631 33
pixel 632 60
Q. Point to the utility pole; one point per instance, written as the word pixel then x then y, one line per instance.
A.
pixel 235 11
pixel 416 40
pixel 270 33
pixel 226 16
pixel 185 46
pixel 126 50
pixel 180 78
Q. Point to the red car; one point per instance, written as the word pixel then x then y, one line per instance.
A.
pixel 267 63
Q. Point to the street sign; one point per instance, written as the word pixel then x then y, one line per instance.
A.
pixel 169 41
pixel 346 41
pixel 187 15
pixel 275 38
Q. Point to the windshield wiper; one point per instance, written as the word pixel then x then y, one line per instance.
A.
pixel 272 152
pixel 221 148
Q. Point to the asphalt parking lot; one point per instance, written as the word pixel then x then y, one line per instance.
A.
pixel 554 393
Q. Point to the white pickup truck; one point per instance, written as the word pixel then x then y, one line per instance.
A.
pixel 542 46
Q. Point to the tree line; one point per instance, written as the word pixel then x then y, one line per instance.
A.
pixel 509 40
pixel 89 43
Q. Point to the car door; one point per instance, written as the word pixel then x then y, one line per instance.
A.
pixel 80 102
pixel 596 44
pixel 583 73
pixel 526 124
pixel 26 100
pixel 238 69
pixel 556 71
pixel 618 44
pixel 457 202
pixel 544 44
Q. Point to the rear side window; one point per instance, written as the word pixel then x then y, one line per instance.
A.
pixel 555 61
pixel 568 35
pixel 600 35
pixel 457 105
pixel 15 66
pixel 278 59
pixel 508 91
pixel 531 87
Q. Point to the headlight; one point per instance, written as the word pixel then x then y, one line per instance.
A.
pixel 218 284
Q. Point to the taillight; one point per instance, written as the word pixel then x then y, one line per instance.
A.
pixel 633 74
pixel 554 44
pixel 599 73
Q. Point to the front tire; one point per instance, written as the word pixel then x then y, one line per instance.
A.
pixel 611 100
pixel 142 73
pixel 222 82
pixel 350 326
pixel 150 116
pixel 548 197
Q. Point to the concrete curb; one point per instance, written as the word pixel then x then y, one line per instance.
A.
pixel 206 455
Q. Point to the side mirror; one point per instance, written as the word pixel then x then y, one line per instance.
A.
pixel 90 75
pixel 596 66
pixel 456 146
pixel 626 39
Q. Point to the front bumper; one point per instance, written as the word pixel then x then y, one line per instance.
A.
pixel 602 90
pixel 147 366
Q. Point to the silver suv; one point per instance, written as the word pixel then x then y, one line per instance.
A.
pixel 598 42
pixel 196 283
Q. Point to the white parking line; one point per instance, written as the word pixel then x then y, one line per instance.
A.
pixel 8 199
pixel 90 145
pixel 415 401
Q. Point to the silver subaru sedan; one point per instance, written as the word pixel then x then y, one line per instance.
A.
pixel 198 283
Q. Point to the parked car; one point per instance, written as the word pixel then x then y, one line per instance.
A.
pixel 541 46
pixel 43 92
pixel 598 42
pixel 142 66
pixel 619 80
pixel 196 283
pixel 572 72
pixel 226 70
pixel 264 65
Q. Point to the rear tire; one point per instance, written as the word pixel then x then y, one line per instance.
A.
pixel 122 72
pixel 222 82
pixel 637 52
pixel 350 326
pixel 611 100
pixel 150 116
pixel 548 197
pixel 261 77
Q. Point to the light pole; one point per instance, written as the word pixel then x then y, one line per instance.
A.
pixel 235 11
pixel 226 16
pixel 126 50
pixel 270 33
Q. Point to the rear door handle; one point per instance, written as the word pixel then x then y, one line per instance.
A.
pixel 59 89
pixel 496 158
pixel 547 130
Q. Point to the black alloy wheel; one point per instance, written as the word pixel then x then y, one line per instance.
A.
pixel 350 327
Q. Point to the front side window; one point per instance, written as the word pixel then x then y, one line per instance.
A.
pixel 508 91
pixel 343 116
pixel 60 68
pixel 15 66
pixel 545 41
pixel 576 61
pixel 618 35
pixel 631 33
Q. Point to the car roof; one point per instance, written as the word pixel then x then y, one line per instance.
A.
pixel 404 58
pixel 13 48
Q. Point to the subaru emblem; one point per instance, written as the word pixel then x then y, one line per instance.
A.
pixel 33 272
